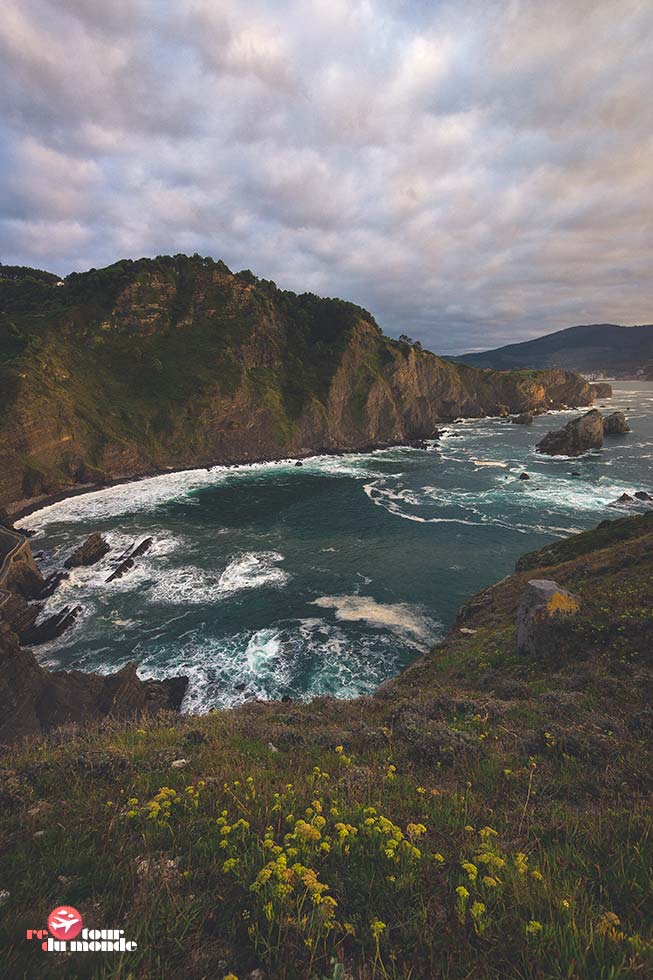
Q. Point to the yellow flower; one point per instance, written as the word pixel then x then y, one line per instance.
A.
pixel 537 875
pixel 421 790
pixel 533 927
pixel 471 869
pixel 438 857
pixel 521 863
pixel 490 881
pixel 376 928
pixel 462 892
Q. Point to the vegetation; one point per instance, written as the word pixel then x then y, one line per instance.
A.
pixel 484 816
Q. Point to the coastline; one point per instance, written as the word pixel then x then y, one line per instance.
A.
pixel 20 509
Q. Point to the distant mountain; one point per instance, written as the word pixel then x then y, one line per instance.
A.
pixel 595 348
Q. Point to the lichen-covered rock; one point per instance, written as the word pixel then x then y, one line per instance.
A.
pixel 576 437
pixel 544 607
pixel 615 424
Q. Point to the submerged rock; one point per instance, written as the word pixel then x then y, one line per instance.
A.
pixel 576 437
pixel 615 424
pixel 544 607
pixel 526 418
pixel 89 552
pixel 129 558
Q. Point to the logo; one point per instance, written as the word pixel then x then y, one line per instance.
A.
pixel 66 934
pixel 64 922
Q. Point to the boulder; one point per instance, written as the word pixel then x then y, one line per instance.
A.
pixel 576 437
pixel 544 607
pixel 89 552
pixel 615 424
pixel 643 495
pixel 524 476
pixel 601 389
pixel 526 418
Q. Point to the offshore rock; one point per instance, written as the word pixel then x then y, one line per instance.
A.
pixel 129 559
pixel 576 437
pixel 543 609
pixel 601 389
pixel 89 552
pixel 525 418
pixel 615 424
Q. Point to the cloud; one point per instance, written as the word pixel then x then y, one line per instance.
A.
pixel 474 173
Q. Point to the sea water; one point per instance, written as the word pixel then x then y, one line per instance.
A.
pixel 271 579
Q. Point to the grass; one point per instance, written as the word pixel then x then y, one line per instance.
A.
pixel 484 817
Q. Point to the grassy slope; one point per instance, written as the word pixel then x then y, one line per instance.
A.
pixel 526 784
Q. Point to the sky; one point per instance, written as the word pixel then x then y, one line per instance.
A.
pixel 475 172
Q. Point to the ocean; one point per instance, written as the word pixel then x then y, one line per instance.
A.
pixel 326 579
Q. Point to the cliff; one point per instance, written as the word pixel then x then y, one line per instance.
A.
pixel 487 814
pixel 176 362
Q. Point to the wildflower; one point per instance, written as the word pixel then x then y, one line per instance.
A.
pixel 470 869
pixel 438 857
pixel 420 790
pixel 489 881
pixel 486 833
pixel 565 904
pixel 461 902
pixel 537 875
pixel 521 863
pixel 307 832
pixel 391 773
pixel 477 912
pixel 376 928
pixel 468 827
pixel 533 927
pixel 229 865
pixel 349 928
pixel 230 976
pixel 415 830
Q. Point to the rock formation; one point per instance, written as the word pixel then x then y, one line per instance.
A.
pixel 33 699
pixel 525 418
pixel 601 389
pixel 89 552
pixel 615 424
pixel 576 437
pixel 544 607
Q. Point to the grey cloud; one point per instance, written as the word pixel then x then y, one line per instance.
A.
pixel 473 173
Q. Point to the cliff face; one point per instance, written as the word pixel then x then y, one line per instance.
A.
pixel 176 362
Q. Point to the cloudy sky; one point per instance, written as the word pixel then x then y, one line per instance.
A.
pixel 474 171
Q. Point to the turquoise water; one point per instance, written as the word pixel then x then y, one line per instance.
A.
pixel 274 579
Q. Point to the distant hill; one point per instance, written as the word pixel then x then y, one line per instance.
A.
pixel 595 348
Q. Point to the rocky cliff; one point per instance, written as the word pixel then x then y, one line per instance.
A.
pixel 176 362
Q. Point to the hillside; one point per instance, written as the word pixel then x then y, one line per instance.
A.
pixel 487 814
pixel 603 348
pixel 176 362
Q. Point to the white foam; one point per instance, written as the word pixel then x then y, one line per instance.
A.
pixel 409 621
